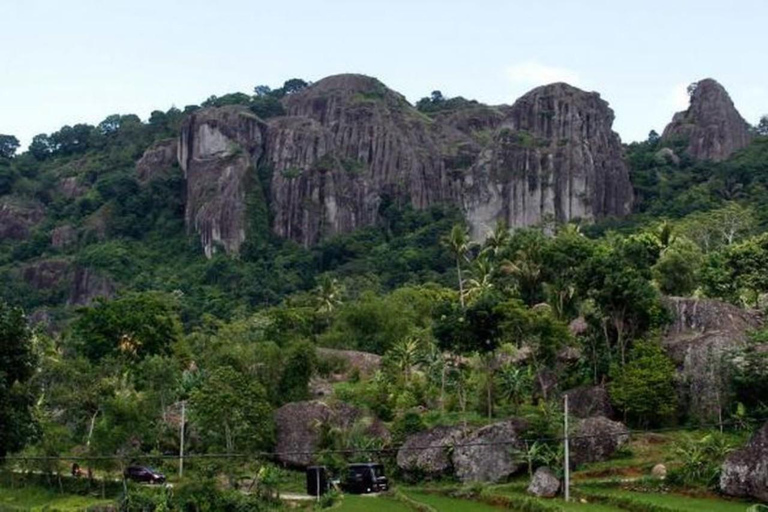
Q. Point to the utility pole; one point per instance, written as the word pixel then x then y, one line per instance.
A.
pixel 181 447
pixel 567 490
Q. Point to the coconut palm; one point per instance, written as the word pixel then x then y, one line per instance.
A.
pixel 328 294
pixel 459 244
pixel 405 355
pixel 497 240
pixel 481 280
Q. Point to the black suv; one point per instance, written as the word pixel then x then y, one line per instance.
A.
pixel 366 477
pixel 144 474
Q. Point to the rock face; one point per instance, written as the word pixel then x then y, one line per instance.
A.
pixel 17 218
pixel 596 439
pixel 702 332
pixel 157 161
pixel 588 401
pixel 544 483
pixel 486 455
pixel 89 285
pixel 555 157
pixel 745 472
pixel 63 236
pixel 349 146
pixel 298 433
pixel 364 362
pixel 712 126
pixel 218 151
pixel 435 461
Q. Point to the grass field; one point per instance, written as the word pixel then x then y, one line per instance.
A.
pixel 352 503
pixel 38 499
pixel 678 502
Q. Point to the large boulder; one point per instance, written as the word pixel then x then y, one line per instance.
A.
pixel 703 331
pixel 712 128
pixel 588 401
pixel 544 483
pixel 18 217
pixel 298 426
pixel 89 285
pixel 745 472
pixel 364 362
pixel 488 453
pixel 428 453
pixel 554 158
pixel 158 161
pixel 596 439
pixel 218 150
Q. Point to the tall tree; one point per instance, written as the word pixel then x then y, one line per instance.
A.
pixel 8 146
pixel 17 366
pixel 458 243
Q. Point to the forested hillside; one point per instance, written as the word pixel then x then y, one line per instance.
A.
pixel 648 300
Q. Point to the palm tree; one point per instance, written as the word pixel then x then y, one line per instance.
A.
pixel 497 239
pixel 481 279
pixel 458 243
pixel 526 271
pixel 328 294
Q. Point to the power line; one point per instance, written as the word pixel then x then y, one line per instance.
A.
pixel 392 449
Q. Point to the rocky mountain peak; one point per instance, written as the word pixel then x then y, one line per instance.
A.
pixel 555 157
pixel 712 126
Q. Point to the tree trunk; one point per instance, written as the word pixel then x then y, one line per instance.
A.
pixel 90 428
pixel 461 283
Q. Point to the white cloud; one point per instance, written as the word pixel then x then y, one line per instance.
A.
pixel 532 73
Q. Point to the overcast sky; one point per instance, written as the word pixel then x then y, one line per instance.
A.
pixel 64 62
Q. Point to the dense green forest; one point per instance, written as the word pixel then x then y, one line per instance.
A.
pixel 468 332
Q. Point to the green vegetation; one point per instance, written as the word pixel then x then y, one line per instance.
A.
pixel 36 499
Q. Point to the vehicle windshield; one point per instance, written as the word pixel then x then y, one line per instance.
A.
pixel 377 471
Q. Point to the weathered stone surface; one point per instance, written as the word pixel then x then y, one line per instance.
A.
pixel 588 401
pixel 364 362
pixel 348 145
pixel 712 126
pixel 297 425
pixel 486 455
pixel 63 236
pixel 659 471
pixel 218 150
pixel 46 274
pixel 745 472
pixel 89 285
pixel 413 459
pixel 555 157
pixel 596 439
pixel 544 483
pixel 18 217
pixel 70 187
pixel 703 331
pixel 157 161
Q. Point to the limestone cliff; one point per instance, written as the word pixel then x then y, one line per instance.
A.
pixel 712 127
pixel 555 157
pixel 218 150
pixel 348 144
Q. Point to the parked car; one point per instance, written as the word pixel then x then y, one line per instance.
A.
pixel 366 477
pixel 144 474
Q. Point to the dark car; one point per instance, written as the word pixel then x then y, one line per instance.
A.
pixel 365 477
pixel 144 474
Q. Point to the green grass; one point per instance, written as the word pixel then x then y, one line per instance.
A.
pixel 446 504
pixel 37 499
pixel 353 503
pixel 678 502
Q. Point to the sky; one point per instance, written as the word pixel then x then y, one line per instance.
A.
pixel 65 62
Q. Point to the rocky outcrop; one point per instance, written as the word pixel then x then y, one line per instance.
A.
pixel 218 150
pixel 745 472
pixel 46 274
pixel 89 285
pixel 711 127
pixel 18 217
pixel 71 188
pixel 349 146
pixel 596 439
pixel 587 401
pixel 63 236
pixel 544 483
pixel 487 454
pixel 364 362
pixel 703 331
pixel 555 158
pixel 298 427
pixel 158 161
pixel 428 454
